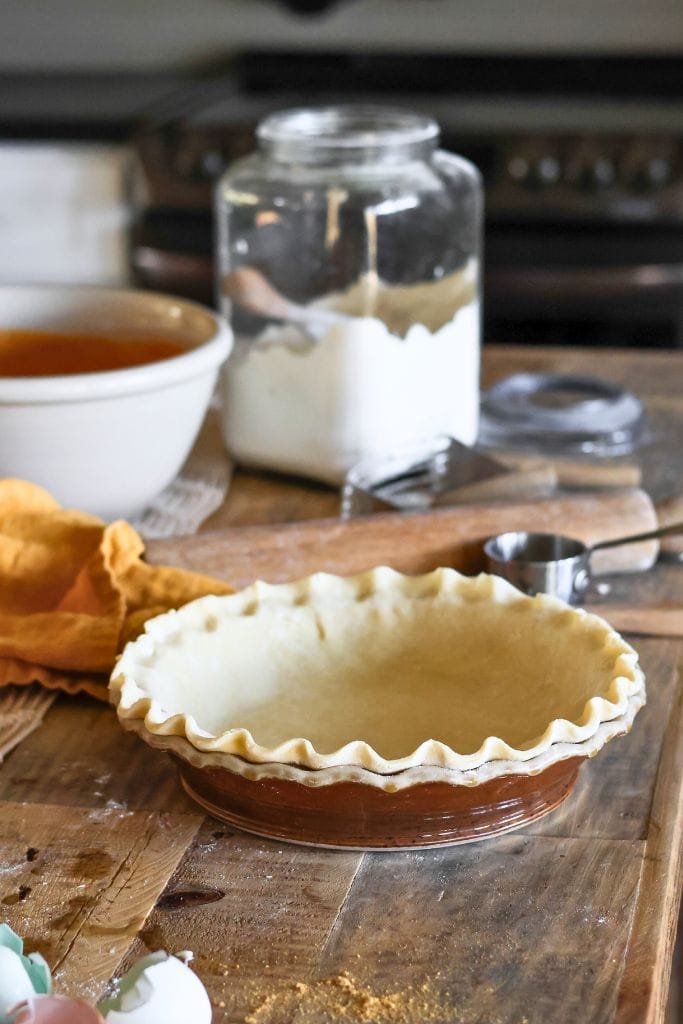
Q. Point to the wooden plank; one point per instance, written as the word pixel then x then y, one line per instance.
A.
pixel 644 989
pixel 82 758
pixel 256 914
pixel 674 1005
pixel 523 929
pixel 78 884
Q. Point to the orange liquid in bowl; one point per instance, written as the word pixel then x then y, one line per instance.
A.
pixel 52 353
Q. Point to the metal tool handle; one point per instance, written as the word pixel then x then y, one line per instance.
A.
pixel 662 531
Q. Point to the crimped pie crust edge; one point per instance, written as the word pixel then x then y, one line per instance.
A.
pixel 625 690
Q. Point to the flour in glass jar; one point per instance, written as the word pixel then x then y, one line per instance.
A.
pixel 400 366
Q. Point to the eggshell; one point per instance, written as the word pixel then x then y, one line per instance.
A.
pixel 15 984
pixel 34 965
pixel 55 1010
pixel 159 989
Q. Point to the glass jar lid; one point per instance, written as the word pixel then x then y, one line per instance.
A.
pixel 561 413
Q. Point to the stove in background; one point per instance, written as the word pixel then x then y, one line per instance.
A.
pixel 582 160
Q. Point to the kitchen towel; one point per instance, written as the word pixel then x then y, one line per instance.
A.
pixel 73 590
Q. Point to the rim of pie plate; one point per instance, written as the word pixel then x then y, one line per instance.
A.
pixel 272 635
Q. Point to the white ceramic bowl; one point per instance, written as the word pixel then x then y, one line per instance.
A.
pixel 108 442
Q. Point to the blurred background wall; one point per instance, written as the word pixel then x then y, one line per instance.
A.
pixel 116 118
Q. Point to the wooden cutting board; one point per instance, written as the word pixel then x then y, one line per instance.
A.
pixel 412 543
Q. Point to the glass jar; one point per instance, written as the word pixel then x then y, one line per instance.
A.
pixel 349 265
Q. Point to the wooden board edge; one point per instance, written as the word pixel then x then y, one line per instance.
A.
pixel 644 985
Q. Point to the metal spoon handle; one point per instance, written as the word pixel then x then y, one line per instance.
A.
pixel 663 531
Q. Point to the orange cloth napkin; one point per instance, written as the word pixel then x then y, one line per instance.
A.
pixel 73 591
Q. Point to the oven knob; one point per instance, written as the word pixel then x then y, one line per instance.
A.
pixel 518 169
pixel 544 172
pixel 652 175
pixel 598 174
pixel 534 173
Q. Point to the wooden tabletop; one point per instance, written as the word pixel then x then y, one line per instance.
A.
pixel 103 858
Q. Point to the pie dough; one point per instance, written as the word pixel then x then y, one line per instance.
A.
pixel 382 671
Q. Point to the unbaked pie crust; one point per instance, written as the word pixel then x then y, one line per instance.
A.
pixel 379 673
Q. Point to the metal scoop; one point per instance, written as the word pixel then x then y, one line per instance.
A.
pixel 253 292
pixel 552 564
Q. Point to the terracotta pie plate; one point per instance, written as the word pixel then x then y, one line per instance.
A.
pixel 379 711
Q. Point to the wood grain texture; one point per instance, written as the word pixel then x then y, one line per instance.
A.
pixel 277 907
pixel 22 709
pixel 643 996
pixel 82 758
pixel 78 884
pixel 674 1005
pixel 524 930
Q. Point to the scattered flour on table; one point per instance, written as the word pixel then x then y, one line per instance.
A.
pixel 342 998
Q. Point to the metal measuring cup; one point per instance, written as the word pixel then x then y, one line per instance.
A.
pixel 550 563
